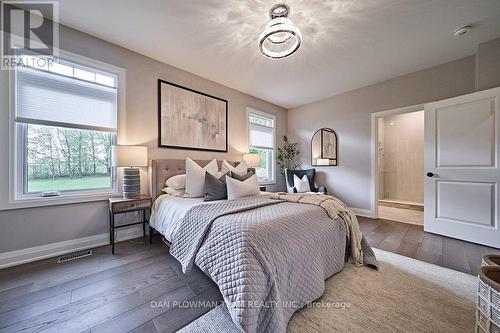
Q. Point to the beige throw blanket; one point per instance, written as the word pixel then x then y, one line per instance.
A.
pixel 334 207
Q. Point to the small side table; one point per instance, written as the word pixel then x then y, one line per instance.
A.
pixel 122 205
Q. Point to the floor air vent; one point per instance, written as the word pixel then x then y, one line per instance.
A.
pixel 74 255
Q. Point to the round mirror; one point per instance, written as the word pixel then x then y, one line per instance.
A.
pixel 324 148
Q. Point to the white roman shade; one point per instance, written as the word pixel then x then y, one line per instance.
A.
pixel 261 135
pixel 51 99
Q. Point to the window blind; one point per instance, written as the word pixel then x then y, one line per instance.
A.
pixel 46 98
pixel 260 135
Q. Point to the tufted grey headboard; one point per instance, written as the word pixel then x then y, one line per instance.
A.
pixel 161 170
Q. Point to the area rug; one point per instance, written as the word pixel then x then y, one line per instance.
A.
pixel 404 295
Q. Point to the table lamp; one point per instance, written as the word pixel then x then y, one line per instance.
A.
pixel 252 161
pixel 130 157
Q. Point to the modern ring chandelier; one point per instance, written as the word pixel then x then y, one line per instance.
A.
pixel 280 38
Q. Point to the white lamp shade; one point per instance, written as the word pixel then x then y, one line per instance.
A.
pixel 129 156
pixel 252 160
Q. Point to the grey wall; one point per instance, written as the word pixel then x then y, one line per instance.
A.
pixel 350 115
pixel 23 228
pixel 488 65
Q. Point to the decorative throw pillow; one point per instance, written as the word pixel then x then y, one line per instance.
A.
pixel 238 189
pixel 240 177
pixel 173 191
pixel 241 169
pixel 195 177
pixel 177 182
pixel 301 185
pixel 215 188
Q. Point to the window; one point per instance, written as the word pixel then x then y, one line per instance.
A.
pixel 65 118
pixel 261 140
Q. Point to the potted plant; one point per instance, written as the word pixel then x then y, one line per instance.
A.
pixel 287 154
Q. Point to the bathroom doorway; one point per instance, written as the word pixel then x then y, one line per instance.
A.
pixel 400 160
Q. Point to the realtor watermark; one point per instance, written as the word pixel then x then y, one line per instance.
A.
pixel 29 33
pixel 250 304
pixel 185 304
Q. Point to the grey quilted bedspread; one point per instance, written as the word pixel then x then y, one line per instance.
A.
pixel 268 257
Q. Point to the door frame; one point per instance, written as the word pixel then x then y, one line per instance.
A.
pixel 374 149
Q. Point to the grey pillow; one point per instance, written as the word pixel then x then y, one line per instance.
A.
pixel 215 188
pixel 241 178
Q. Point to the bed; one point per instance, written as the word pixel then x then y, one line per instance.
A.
pixel 169 210
pixel 269 256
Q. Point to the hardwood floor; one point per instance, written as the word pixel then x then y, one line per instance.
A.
pixel 140 289
pixel 411 241
pixel 411 216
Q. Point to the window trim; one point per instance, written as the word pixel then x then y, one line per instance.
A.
pixel 16 169
pixel 250 110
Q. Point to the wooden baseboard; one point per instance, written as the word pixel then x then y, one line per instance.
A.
pixel 362 212
pixel 403 205
pixel 18 257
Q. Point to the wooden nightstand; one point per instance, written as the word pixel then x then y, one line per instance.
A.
pixel 122 205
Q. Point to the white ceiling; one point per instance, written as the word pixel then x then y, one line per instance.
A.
pixel 347 44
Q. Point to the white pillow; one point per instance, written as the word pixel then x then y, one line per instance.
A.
pixel 238 189
pixel 177 182
pixel 241 169
pixel 302 185
pixel 195 177
pixel 173 191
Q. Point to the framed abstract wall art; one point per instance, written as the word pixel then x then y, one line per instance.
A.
pixel 189 119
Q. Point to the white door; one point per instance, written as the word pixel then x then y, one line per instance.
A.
pixel 462 167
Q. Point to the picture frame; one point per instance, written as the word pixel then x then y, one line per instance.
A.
pixel 190 119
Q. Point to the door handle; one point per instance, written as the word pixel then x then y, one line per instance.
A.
pixel 431 174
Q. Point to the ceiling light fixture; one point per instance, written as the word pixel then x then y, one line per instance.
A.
pixel 280 38
pixel 463 30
